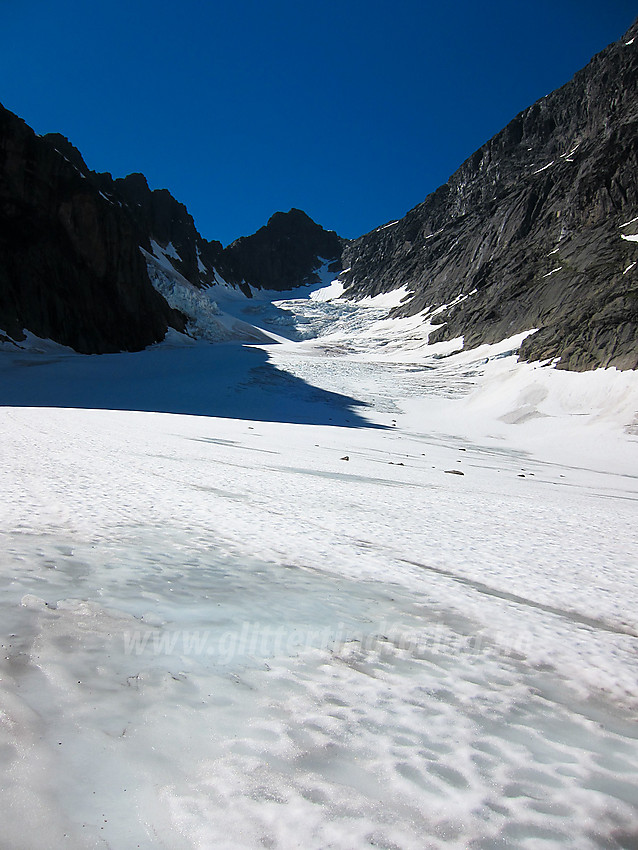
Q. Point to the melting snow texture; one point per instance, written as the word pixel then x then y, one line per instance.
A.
pixel 245 629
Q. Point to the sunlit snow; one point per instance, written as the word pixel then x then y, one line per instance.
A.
pixel 200 266
pixel 544 168
pixel 274 615
pixel 205 319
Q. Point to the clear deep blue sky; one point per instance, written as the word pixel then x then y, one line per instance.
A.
pixel 353 111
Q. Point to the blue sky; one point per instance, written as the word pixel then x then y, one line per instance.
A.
pixel 353 111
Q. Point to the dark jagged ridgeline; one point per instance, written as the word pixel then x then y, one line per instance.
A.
pixel 70 264
pixel 538 229
pixel 161 218
pixel 156 213
pixel 285 253
pixel 530 229
pixel 71 269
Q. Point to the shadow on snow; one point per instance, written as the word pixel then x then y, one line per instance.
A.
pixel 231 381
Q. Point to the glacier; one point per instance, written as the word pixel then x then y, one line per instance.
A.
pixel 247 605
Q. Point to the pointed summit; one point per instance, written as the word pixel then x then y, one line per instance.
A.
pixel 283 254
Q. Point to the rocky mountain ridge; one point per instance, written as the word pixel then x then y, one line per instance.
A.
pixel 71 268
pixel 70 265
pixel 535 230
pixel 283 254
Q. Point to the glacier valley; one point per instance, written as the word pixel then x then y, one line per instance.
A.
pixel 344 590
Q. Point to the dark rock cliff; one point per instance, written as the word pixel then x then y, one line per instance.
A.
pixel 71 268
pixel 70 265
pixel 283 254
pixel 530 229
pixel 156 213
pixel 161 218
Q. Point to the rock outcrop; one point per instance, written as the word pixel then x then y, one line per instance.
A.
pixel 70 265
pixel 537 230
pixel 285 253
pixel 533 230
pixel 167 222
pixel 71 268
pixel 282 255
pixel 158 216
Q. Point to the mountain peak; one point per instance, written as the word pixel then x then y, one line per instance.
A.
pixel 534 230
pixel 293 214
pixel 284 253
pixel 68 150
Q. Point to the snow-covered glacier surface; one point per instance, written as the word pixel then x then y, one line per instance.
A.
pixel 287 622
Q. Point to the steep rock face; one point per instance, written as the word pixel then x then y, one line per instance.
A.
pixel 71 268
pixel 161 218
pixel 283 254
pixel 158 216
pixel 70 265
pixel 529 230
